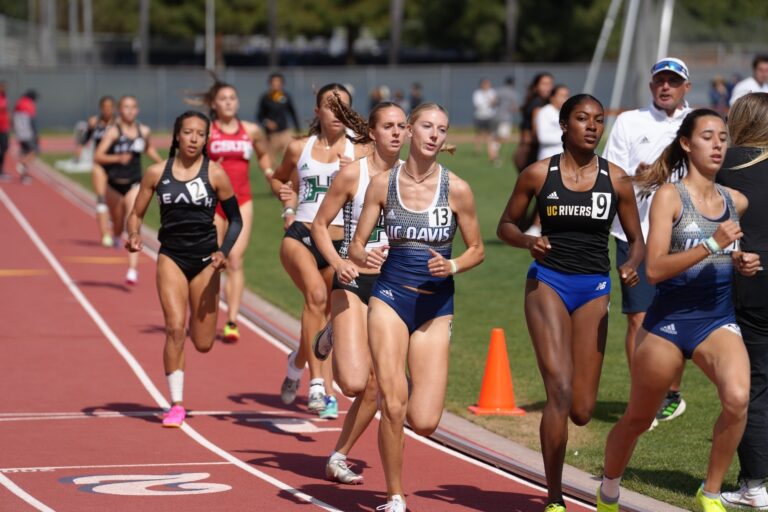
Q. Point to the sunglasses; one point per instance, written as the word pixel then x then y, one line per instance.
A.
pixel 670 65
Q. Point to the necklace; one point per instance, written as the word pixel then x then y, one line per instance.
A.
pixel 430 173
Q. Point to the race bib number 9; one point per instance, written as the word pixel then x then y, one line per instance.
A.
pixel 196 189
pixel 440 217
pixel 601 205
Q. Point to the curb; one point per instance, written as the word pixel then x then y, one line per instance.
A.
pixel 454 432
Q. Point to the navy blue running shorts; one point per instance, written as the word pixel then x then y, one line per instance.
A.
pixel 638 298
pixel 414 308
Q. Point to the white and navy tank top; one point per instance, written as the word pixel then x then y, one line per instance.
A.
pixel 577 224
pixel 411 233
pixel 703 290
pixel 186 212
pixel 314 179
pixel 351 213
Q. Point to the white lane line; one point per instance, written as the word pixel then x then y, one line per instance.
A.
pixel 8 417
pixel 134 364
pixel 24 495
pixel 283 348
pixel 111 466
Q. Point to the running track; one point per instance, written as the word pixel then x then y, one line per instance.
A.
pixel 83 387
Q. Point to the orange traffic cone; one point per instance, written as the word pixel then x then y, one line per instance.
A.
pixel 496 394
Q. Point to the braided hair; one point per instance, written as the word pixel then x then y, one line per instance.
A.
pixel 177 129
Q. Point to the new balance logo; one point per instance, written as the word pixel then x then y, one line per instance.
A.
pixel 388 294
pixel 669 329
pixel 166 181
pixel 601 285
pixel 644 140
pixel 692 228
pixel 553 195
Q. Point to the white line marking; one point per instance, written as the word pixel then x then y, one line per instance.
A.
pixel 112 466
pixel 24 495
pixel 6 417
pixel 134 364
pixel 283 348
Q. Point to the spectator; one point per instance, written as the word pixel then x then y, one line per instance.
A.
pixel 25 128
pixel 484 100
pixel 5 127
pixel 547 123
pixel 528 148
pixel 398 97
pixel 274 113
pixel 719 95
pixel 508 104
pixel 758 82
pixel 417 95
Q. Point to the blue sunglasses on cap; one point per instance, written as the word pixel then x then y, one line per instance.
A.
pixel 670 65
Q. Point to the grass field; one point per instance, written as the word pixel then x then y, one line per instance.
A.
pixel 669 462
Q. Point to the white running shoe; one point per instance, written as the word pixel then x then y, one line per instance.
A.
pixel 337 470
pixel 396 504
pixel 316 398
pixel 132 277
pixel 755 497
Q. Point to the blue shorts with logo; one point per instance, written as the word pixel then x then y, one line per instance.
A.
pixel 686 333
pixel 638 298
pixel 574 290
pixel 414 308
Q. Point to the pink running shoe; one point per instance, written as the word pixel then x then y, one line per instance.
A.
pixel 174 418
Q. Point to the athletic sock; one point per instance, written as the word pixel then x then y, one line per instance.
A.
pixel 293 372
pixel 176 385
pixel 319 382
pixel 609 489
pixel 337 456
pixel 711 495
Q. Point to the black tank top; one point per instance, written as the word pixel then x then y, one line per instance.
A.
pixel 131 172
pixel 186 212
pixel 577 224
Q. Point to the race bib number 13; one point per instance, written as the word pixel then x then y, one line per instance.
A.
pixel 440 217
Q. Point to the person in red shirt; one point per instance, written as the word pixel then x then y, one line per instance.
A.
pixel 5 127
pixel 25 128
pixel 231 144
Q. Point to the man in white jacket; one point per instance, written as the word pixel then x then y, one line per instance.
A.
pixel 758 82
pixel 637 139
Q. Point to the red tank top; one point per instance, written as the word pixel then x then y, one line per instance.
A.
pixel 231 151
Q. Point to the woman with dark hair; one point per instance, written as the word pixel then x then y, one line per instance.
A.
pixel 745 169
pixel 411 308
pixel 537 96
pixel 691 255
pixel 188 188
pixel 231 144
pixel 347 331
pixel 317 159
pixel 119 152
pixel 577 195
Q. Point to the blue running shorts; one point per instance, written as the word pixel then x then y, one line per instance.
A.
pixel 414 308
pixel 574 290
pixel 687 333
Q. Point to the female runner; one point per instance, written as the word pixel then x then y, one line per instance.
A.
pixel 568 287
pixel 188 188
pixel 352 285
pixel 120 153
pixel 411 306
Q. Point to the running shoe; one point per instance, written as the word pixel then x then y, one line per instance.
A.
pixel 672 407
pixel 290 386
pixel 316 398
pixel 337 470
pixel 106 240
pixel 555 507
pixel 331 410
pixel 708 504
pixel 755 496
pixel 231 332
pixel 132 277
pixel 323 342
pixel 174 418
pixel 395 504
pixel 605 507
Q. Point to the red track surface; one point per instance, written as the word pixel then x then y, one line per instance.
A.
pixel 75 416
